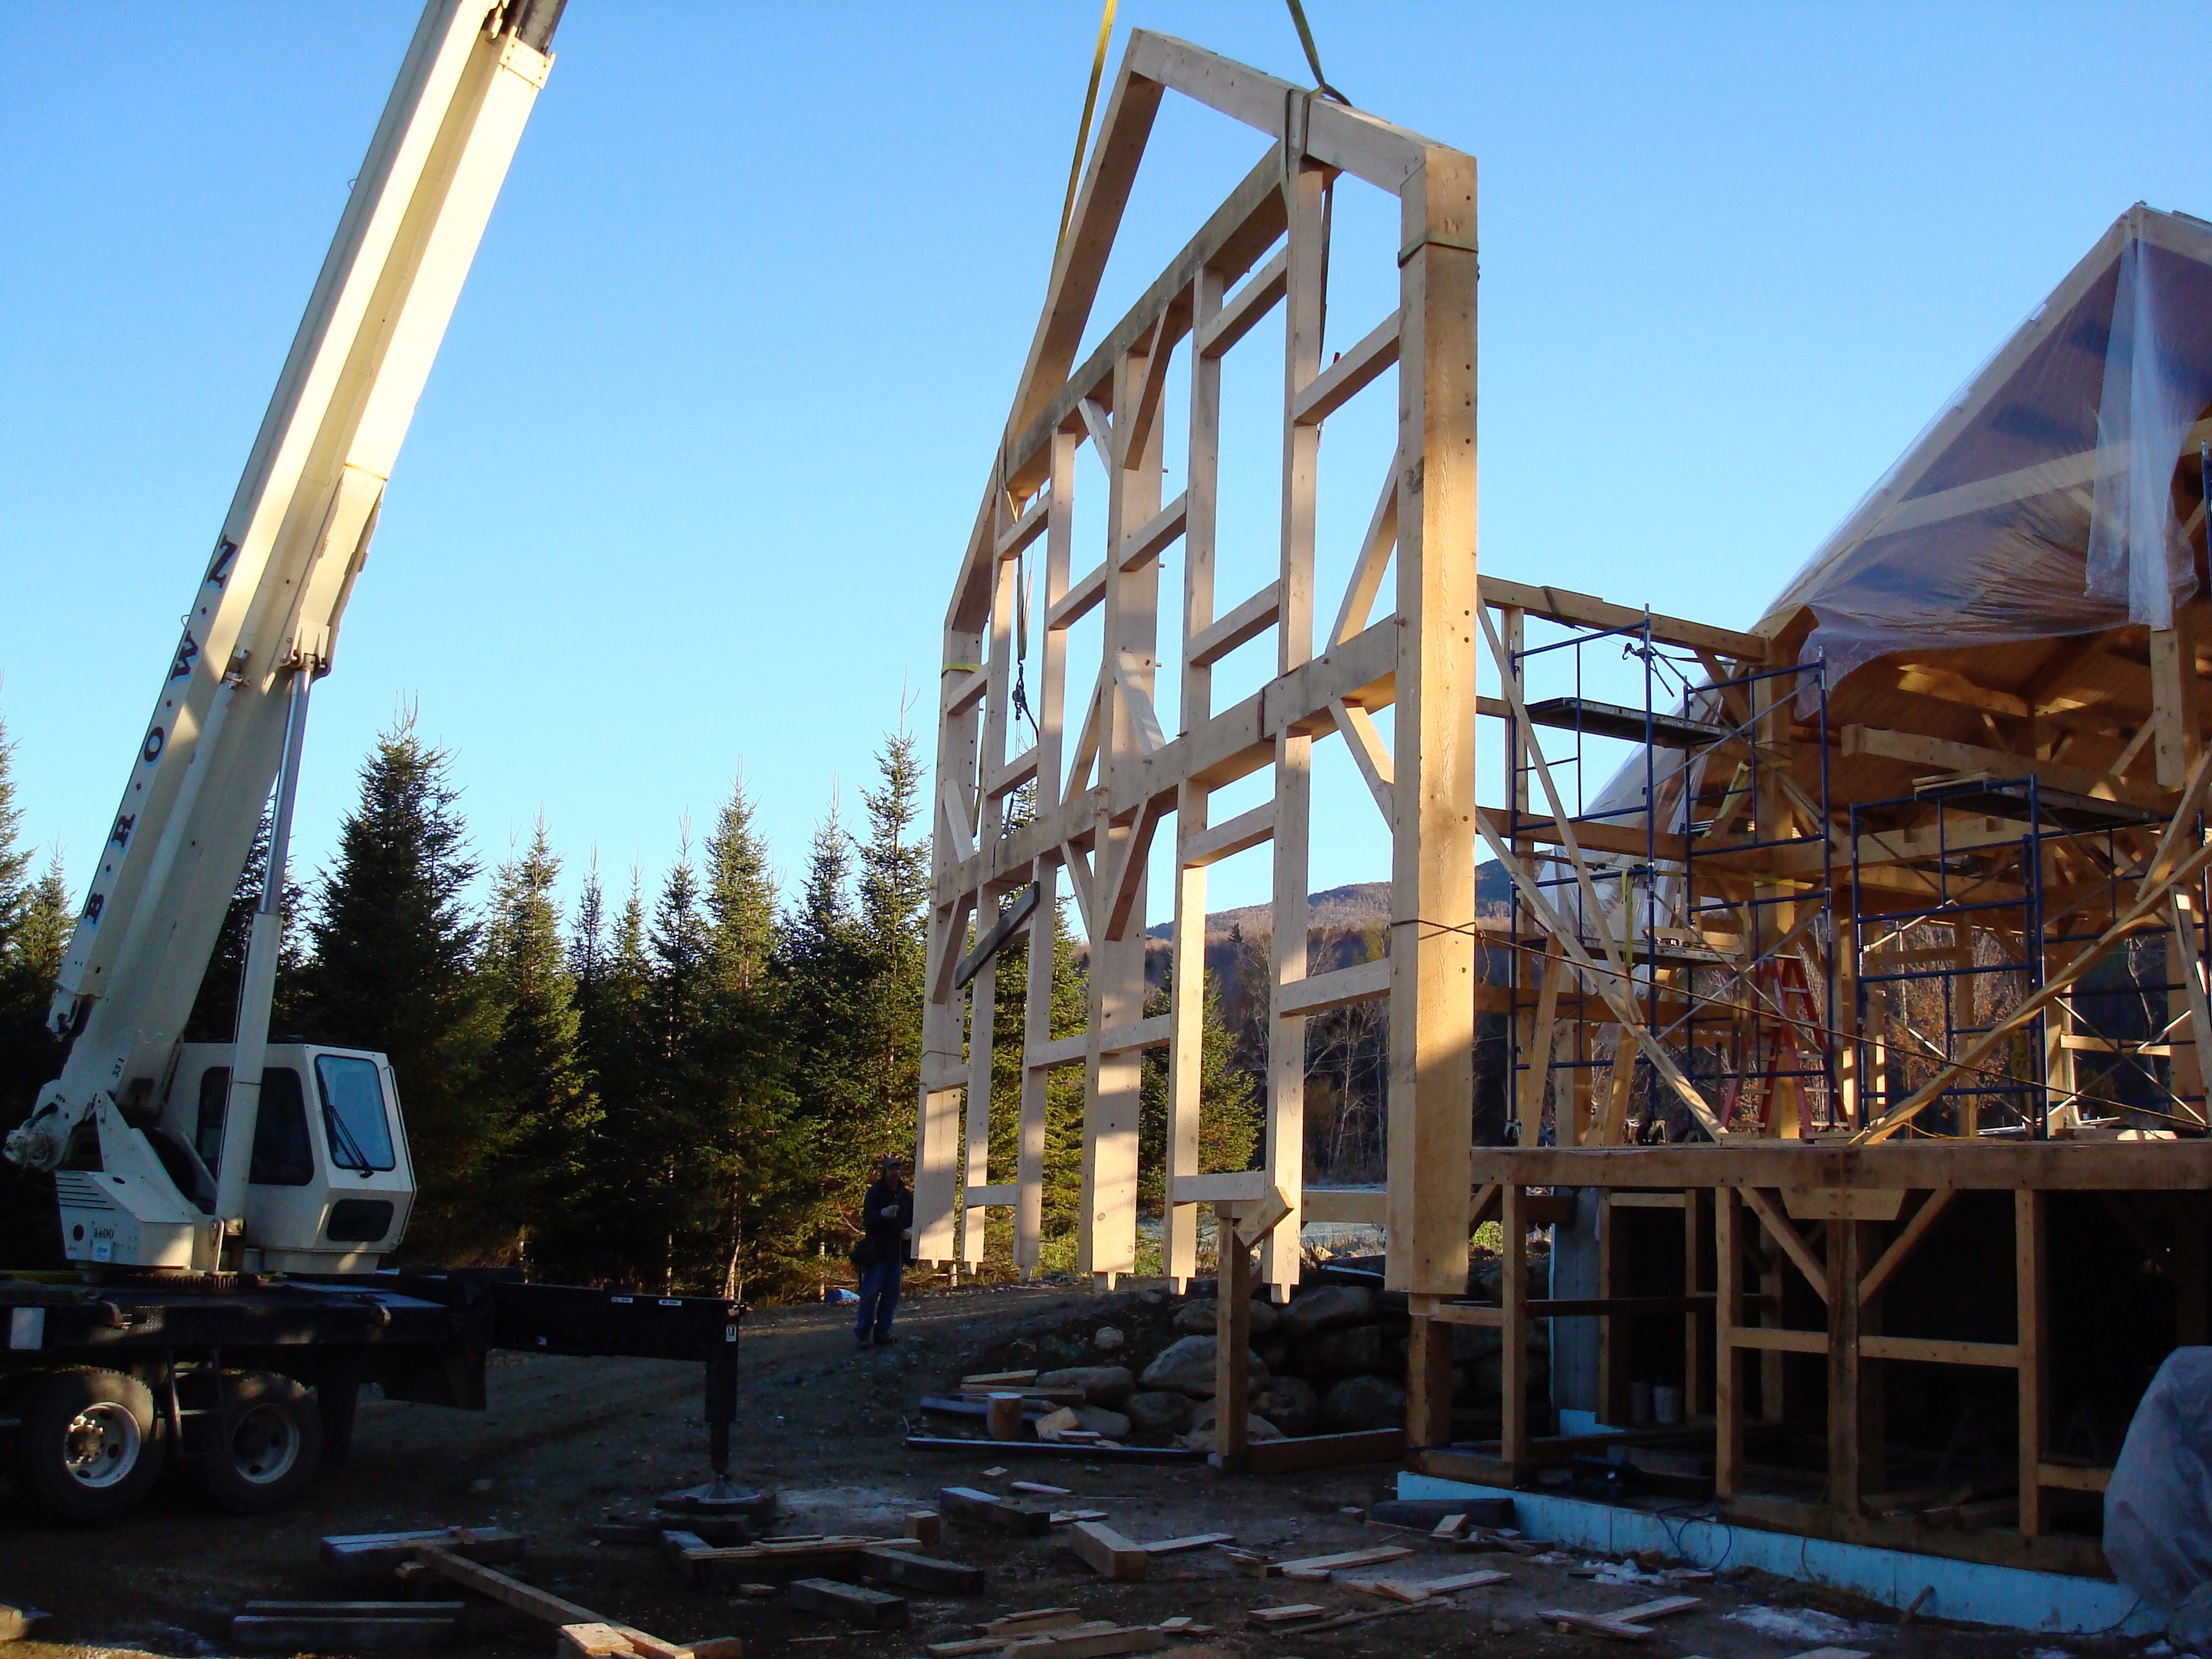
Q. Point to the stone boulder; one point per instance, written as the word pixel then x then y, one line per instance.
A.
pixel 1197 1317
pixel 1200 1437
pixel 1331 1307
pixel 1102 1385
pixel 1187 1367
pixel 1348 1351
pixel 1289 1403
pixel 1107 1338
pixel 1364 1402
pixel 1111 1425
pixel 1158 1412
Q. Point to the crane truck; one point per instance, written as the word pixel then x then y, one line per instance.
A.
pixel 227 1209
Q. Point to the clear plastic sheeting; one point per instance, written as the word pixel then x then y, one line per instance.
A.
pixel 2057 492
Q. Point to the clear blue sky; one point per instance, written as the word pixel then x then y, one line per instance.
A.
pixel 686 489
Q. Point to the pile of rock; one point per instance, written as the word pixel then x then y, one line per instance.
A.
pixel 1332 1362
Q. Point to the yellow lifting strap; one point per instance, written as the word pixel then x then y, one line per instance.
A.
pixel 1083 132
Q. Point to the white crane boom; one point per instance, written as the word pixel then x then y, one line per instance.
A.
pixel 265 618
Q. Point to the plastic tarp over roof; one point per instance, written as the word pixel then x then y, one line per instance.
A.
pixel 2050 496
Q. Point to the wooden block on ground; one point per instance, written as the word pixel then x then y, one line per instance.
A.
pixel 775 1561
pixel 1287 1613
pixel 963 1649
pixel 985 1509
pixel 1324 1565
pixel 999 1379
pixel 1249 1563
pixel 380 1552
pixel 1832 1653
pixel 718 1647
pixel 1055 1424
pixel 16 1623
pixel 1106 1552
pixel 1416 1590
pixel 855 1604
pixel 1037 1489
pixel 1197 1540
pixel 538 1603
pixel 1086 1642
pixel 1595 1624
pixel 925 1526
pixel 1665 1607
pixel 289 1632
pixel 1031 1621
pixel 911 1570
pixel 1069 1517
pixel 591 1642
pixel 1450 1526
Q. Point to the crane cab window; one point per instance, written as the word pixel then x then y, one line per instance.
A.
pixel 282 1155
pixel 353 1113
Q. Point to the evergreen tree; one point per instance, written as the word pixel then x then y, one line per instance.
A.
pixel 823 965
pixel 614 979
pixel 760 1155
pixel 546 1110
pixel 676 1123
pixel 394 970
pixel 30 1054
pixel 894 897
pixel 213 1018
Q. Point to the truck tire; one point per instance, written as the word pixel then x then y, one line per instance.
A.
pixel 90 1444
pixel 272 1450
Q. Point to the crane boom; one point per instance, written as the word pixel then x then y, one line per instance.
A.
pixel 266 613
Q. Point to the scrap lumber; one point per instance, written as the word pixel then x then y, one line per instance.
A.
pixel 1326 1451
pixel 606 1642
pixel 1287 1612
pixel 871 1609
pixel 1449 1527
pixel 963 1649
pixel 1420 1589
pixel 649 1527
pixel 538 1603
pixel 1106 1552
pixel 1030 1622
pixel 1083 1642
pixel 999 1379
pixel 1039 1489
pixel 1623 1624
pixel 1068 1517
pixel 911 1570
pixel 363 1554
pixel 1320 1567
pixel 367 1626
pixel 1832 1653
pixel 1090 1451
pixel 1197 1540
pixel 925 1526
pixel 16 1623
pixel 776 1560
pixel 985 1509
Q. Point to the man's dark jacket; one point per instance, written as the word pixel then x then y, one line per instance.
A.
pixel 884 1233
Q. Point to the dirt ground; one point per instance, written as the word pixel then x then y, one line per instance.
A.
pixel 821 1424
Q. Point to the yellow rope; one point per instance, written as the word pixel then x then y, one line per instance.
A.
pixel 1083 132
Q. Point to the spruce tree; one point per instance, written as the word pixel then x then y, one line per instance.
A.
pixel 610 1242
pixel 394 970
pixel 30 1057
pixel 825 968
pixel 546 1110
pixel 760 1157
pixel 894 897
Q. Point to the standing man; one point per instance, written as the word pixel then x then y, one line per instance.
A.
pixel 885 1215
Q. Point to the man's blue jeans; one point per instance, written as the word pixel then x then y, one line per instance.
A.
pixel 879 1294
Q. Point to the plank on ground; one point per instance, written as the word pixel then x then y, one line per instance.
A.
pixel 910 1570
pixel 1106 1552
pixel 855 1604
pixel 985 1509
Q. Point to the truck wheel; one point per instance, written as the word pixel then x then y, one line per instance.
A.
pixel 273 1449
pixel 89 1445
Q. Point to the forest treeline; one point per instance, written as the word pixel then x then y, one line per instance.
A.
pixel 683 1090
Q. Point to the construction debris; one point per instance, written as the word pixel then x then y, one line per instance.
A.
pixel 538 1603
pixel 1092 1641
pixel 16 1623
pixel 1315 1568
pixel 1288 1612
pixel 1106 1552
pixel 322 1626
pixel 1100 1452
pixel 911 1570
pixel 774 1560
pixel 1623 1624
pixel 855 1604
pixel 1420 1589
pixel 1038 1489
pixel 985 1509
pixel 376 1553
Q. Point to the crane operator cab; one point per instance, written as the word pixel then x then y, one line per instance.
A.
pixel 329 1188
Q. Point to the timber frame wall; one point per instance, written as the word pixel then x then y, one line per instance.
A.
pixel 1997 820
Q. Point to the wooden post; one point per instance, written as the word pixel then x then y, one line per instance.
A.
pixel 1513 1366
pixel 1727 1360
pixel 1044 924
pixel 1873 1380
pixel 1697 1370
pixel 1843 1265
pixel 2033 1336
pixel 975 1167
pixel 1186 1009
pixel 1612 1378
pixel 2174 700
pixel 1232 1334
pixel 1429 1382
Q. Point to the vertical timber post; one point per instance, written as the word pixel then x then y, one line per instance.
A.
pixel 1433 916
pixel 1232 1331
pixel 1727 1362
pixel 2033 1336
